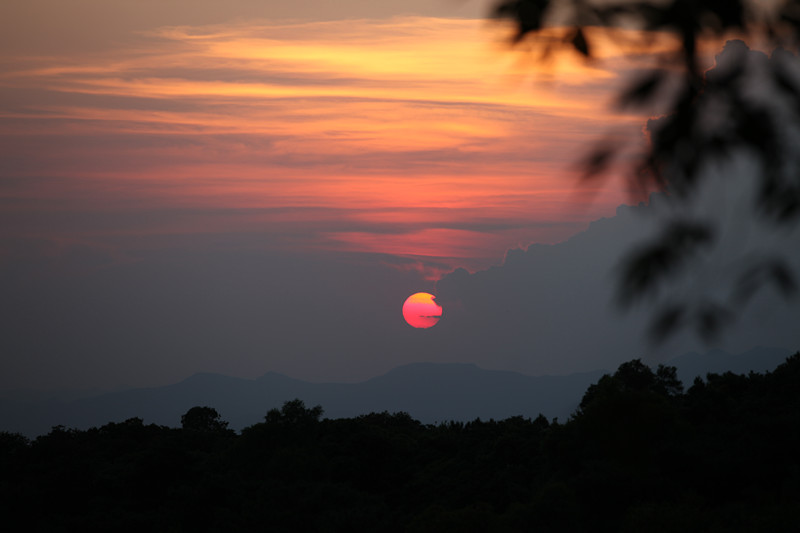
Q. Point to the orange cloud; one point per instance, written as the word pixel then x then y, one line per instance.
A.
pixel 414 137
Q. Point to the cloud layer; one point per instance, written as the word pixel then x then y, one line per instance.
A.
pixel 410 136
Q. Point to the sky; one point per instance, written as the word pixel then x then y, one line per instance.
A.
pixel 408 135
pixel 251 186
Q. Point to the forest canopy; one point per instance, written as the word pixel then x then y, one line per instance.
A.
pixel 640 453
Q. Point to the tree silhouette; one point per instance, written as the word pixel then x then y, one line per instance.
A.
pixel 747 106
pixel 204 420
pixel 294 413
pixel 639 455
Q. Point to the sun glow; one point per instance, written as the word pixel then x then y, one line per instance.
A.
pixel 421 310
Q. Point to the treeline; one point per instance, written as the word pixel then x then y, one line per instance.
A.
pixel 640 454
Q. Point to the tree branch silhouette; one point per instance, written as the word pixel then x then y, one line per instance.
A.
pixel 711 118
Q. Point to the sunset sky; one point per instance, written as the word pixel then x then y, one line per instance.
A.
pixel 195 185
pixel 416 136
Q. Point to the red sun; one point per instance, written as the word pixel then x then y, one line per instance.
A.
pixel 421 311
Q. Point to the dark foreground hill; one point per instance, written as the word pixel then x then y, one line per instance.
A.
pixel 428 392
pixel 639 454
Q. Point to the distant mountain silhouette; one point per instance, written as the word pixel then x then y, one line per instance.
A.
pixel 429 392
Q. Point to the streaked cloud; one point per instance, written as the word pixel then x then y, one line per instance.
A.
pixel 418 120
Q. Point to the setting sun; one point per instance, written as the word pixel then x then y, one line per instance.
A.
pixel 421 310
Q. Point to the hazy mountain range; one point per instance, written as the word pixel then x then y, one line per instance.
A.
pixel 430 392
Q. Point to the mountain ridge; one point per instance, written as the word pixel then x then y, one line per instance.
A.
pixel 430 392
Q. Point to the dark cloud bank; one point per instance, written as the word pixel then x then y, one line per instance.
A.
pixel 551 309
